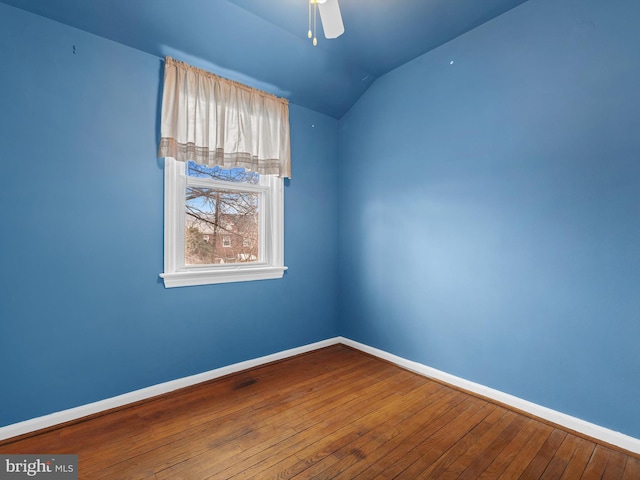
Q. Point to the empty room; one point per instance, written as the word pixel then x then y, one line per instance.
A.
pixel 320 239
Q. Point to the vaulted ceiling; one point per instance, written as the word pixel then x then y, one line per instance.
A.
pixel 264 42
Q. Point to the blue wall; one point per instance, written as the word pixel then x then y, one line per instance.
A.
pixel 83 313
pixel 491 209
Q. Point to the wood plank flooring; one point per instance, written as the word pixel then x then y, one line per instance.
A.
pixel 331 413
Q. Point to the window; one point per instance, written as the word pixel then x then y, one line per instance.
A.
pixel 221 225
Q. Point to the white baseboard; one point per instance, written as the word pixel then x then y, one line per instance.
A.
pixel 71 414
pixel 596 432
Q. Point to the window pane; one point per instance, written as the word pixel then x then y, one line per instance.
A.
pixel 236 175
pixel 221 226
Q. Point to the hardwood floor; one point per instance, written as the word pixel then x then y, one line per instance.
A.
pixel 332 413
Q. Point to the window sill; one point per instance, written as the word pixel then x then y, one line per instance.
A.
pixel 221 275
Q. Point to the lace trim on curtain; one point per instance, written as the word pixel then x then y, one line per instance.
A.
pixel 203 156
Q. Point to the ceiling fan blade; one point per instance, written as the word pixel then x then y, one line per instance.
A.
pixel 331 18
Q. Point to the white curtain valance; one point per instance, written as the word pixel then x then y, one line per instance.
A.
pixel 215 121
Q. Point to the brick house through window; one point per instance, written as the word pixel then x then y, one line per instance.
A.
pixel 234 239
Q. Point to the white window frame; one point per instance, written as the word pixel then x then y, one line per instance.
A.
pixel 270 265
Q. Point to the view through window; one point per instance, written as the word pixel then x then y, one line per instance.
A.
pixel 221 224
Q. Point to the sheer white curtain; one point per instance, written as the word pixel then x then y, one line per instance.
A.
pixel 215 121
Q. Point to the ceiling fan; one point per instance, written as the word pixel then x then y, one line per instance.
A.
pixel 329 15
